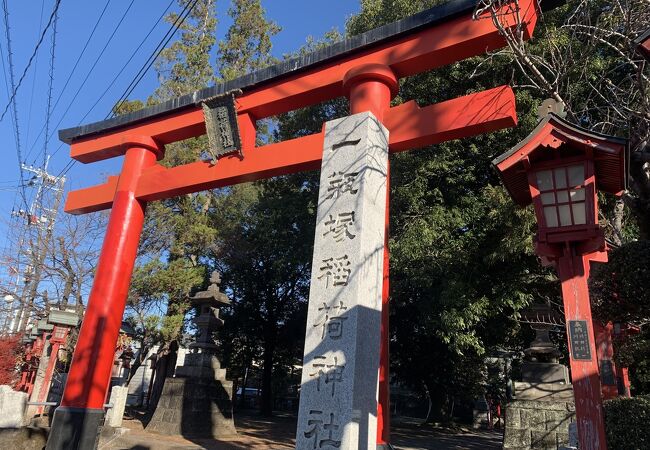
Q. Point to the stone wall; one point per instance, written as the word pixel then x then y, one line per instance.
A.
pixel 536 425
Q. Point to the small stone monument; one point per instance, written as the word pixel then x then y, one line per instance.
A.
pixel 539 418
pixel 197 402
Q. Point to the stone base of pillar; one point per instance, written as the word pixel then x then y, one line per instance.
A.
pixel 75 429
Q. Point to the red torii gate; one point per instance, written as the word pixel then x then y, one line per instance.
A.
pixel 365 69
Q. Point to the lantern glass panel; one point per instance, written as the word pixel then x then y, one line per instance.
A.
pixel 545 180
pixel 576 175
pixel 562 195
pixel 548 198
pixel 565 215
pixel 550 216
pixel 579 213
pixel 577 195
pixel 560 178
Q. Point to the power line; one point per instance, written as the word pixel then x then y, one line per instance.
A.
pixel 12 101
pixel 129 60
pixel 31 58
pixel 140 75
pixel 49 91
pixel 31 95
pixel 157 50
pixel 74 67
pixel 83 83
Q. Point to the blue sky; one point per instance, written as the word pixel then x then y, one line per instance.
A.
pixel 77 18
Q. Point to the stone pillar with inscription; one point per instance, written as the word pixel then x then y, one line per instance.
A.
pixel 338 398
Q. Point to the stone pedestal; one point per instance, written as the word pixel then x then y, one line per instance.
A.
pixel 338 397
pixel 197 402
pixel 12 407
pixel 195 407
pixel 115 414
pixel 544 406
pixel 540 425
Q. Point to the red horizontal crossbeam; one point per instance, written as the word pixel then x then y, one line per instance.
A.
pixel 409 126
pixel 414 53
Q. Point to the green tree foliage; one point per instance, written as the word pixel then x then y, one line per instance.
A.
pixel 247 46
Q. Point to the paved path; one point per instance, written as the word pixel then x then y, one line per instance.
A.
pixel 256 433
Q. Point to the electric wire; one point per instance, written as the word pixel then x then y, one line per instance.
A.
pixel 157 51
pixel 127 62
pixel 49 91
pixel 31 59
pixel 90 71
pixel 74 68
pixel 164 41
pixel 83 83
pixel 31 95
pixel 12 101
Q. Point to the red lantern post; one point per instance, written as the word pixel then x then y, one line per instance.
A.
pixel 559 168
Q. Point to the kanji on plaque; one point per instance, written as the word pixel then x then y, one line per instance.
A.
pixel 339 227
pixel 340 183
pixel 327 374
pixel 322 431
pixel 335 270
pixel 332 322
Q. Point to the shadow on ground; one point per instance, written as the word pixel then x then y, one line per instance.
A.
pixel 278 433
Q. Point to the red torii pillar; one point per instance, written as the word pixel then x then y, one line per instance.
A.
pixel 367 74
pixel 371 88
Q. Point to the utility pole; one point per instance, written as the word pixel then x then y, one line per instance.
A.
pixel 39 226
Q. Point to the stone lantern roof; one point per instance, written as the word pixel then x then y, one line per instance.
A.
pixel 212 296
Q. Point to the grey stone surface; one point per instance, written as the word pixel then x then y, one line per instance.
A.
pixel 534 424
pixel 194 407
pixel 550 392
pixel 139 384
pixel 338 399
pixel 118 400
pixel 540 372
pixel 12 407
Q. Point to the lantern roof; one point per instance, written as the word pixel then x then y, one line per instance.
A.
pixel 555 138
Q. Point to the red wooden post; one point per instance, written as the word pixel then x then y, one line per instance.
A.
pixel 623 375
pixel 574 272
pixel 608 368
pixel 371 87
pixel 76 421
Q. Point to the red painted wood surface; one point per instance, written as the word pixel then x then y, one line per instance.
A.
pixel 92 361
pixel 573 272
pixel 409 125
pixel 605 347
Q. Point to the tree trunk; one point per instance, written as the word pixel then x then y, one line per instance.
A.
pixel 267 376
pixel 165 366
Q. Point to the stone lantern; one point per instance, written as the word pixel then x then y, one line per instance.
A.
pixel 559 169
pixel 197 402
